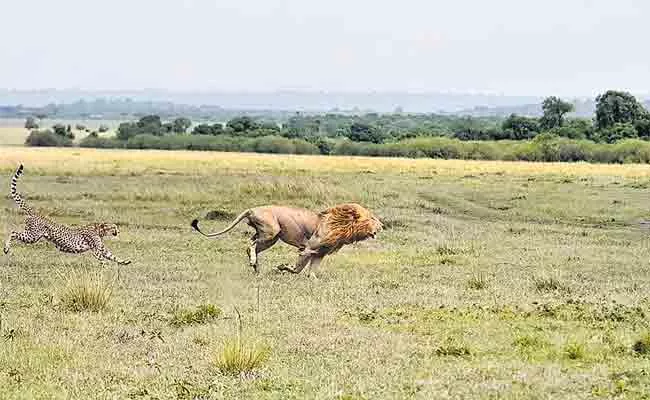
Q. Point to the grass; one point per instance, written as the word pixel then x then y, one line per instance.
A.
pixel 478 282
pixel 86 292
pixel 483 300
pixel 200 315
pixel 240 356
pixel 548 283
pixel 575 351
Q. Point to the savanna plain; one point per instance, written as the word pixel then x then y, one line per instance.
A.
pixel 490 280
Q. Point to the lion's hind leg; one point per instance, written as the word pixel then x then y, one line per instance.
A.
pixel 256 246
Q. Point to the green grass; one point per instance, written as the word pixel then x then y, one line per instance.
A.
pixel 199 315
pixel 533 282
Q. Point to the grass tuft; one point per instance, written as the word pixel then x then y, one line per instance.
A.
pixel 575 351
pixel 549 284
pixel 240 356
pixel 478 282
pixel 202 314
pixel 453 348
pixel 642 346
pixel 86 292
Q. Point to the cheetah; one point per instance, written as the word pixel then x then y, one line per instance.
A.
pixel 66 239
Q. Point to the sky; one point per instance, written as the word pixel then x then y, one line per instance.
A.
pixel 512 47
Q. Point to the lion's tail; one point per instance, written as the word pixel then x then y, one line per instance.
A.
pixel 244 214
pixel 14 192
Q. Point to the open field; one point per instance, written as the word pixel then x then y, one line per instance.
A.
pixel 491 280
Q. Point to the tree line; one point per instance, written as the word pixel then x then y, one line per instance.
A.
pixel 618 116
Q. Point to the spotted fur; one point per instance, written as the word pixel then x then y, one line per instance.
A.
pixel 66 239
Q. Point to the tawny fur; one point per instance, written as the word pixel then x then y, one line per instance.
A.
pixel 346 224
pixel 314 234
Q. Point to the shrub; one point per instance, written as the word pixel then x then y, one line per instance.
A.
pixel 94 141
pixel 47 138
pixel 642 346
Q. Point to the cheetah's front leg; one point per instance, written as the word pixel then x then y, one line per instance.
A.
pixel 104 254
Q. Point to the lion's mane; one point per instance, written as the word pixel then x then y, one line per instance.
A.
pixel 345 224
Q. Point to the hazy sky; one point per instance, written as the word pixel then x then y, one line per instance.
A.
pixel 517 47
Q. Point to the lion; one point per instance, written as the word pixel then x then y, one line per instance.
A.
pixel 316 235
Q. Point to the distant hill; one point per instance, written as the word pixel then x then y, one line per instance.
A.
pixel 583 108
pixel 275 101
pixel 125 104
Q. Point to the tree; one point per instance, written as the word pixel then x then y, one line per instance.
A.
pixel 149 120
pixel 127 130
pixel 616 107
pixel 521 127
pixel 202 129
pixel 575 128
pixel 181 125
pixel 217 129
pixel 365 132
pixel 554 110
pixel 80 127
pixel 468 128
pixel 30 123
pixel 617 132
pixel 241 124
pixel 103 128
pixel 643 128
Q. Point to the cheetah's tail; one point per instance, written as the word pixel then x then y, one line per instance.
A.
pixel 14 193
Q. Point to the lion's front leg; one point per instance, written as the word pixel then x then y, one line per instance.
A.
pixel 303 260
pixel 314 266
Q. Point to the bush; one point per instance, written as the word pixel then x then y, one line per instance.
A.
pixel 642 345
pixel 47 138
pixel 95 141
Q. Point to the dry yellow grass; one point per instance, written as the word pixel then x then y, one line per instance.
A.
pixel 13 135
pixel 133 162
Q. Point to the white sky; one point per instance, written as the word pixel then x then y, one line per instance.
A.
pixel 515 47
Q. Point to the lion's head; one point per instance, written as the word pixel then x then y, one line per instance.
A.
pixel 347 223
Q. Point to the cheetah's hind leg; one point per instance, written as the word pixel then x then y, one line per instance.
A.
pixel 25 237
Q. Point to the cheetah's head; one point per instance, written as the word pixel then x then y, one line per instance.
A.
pixel 106 229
